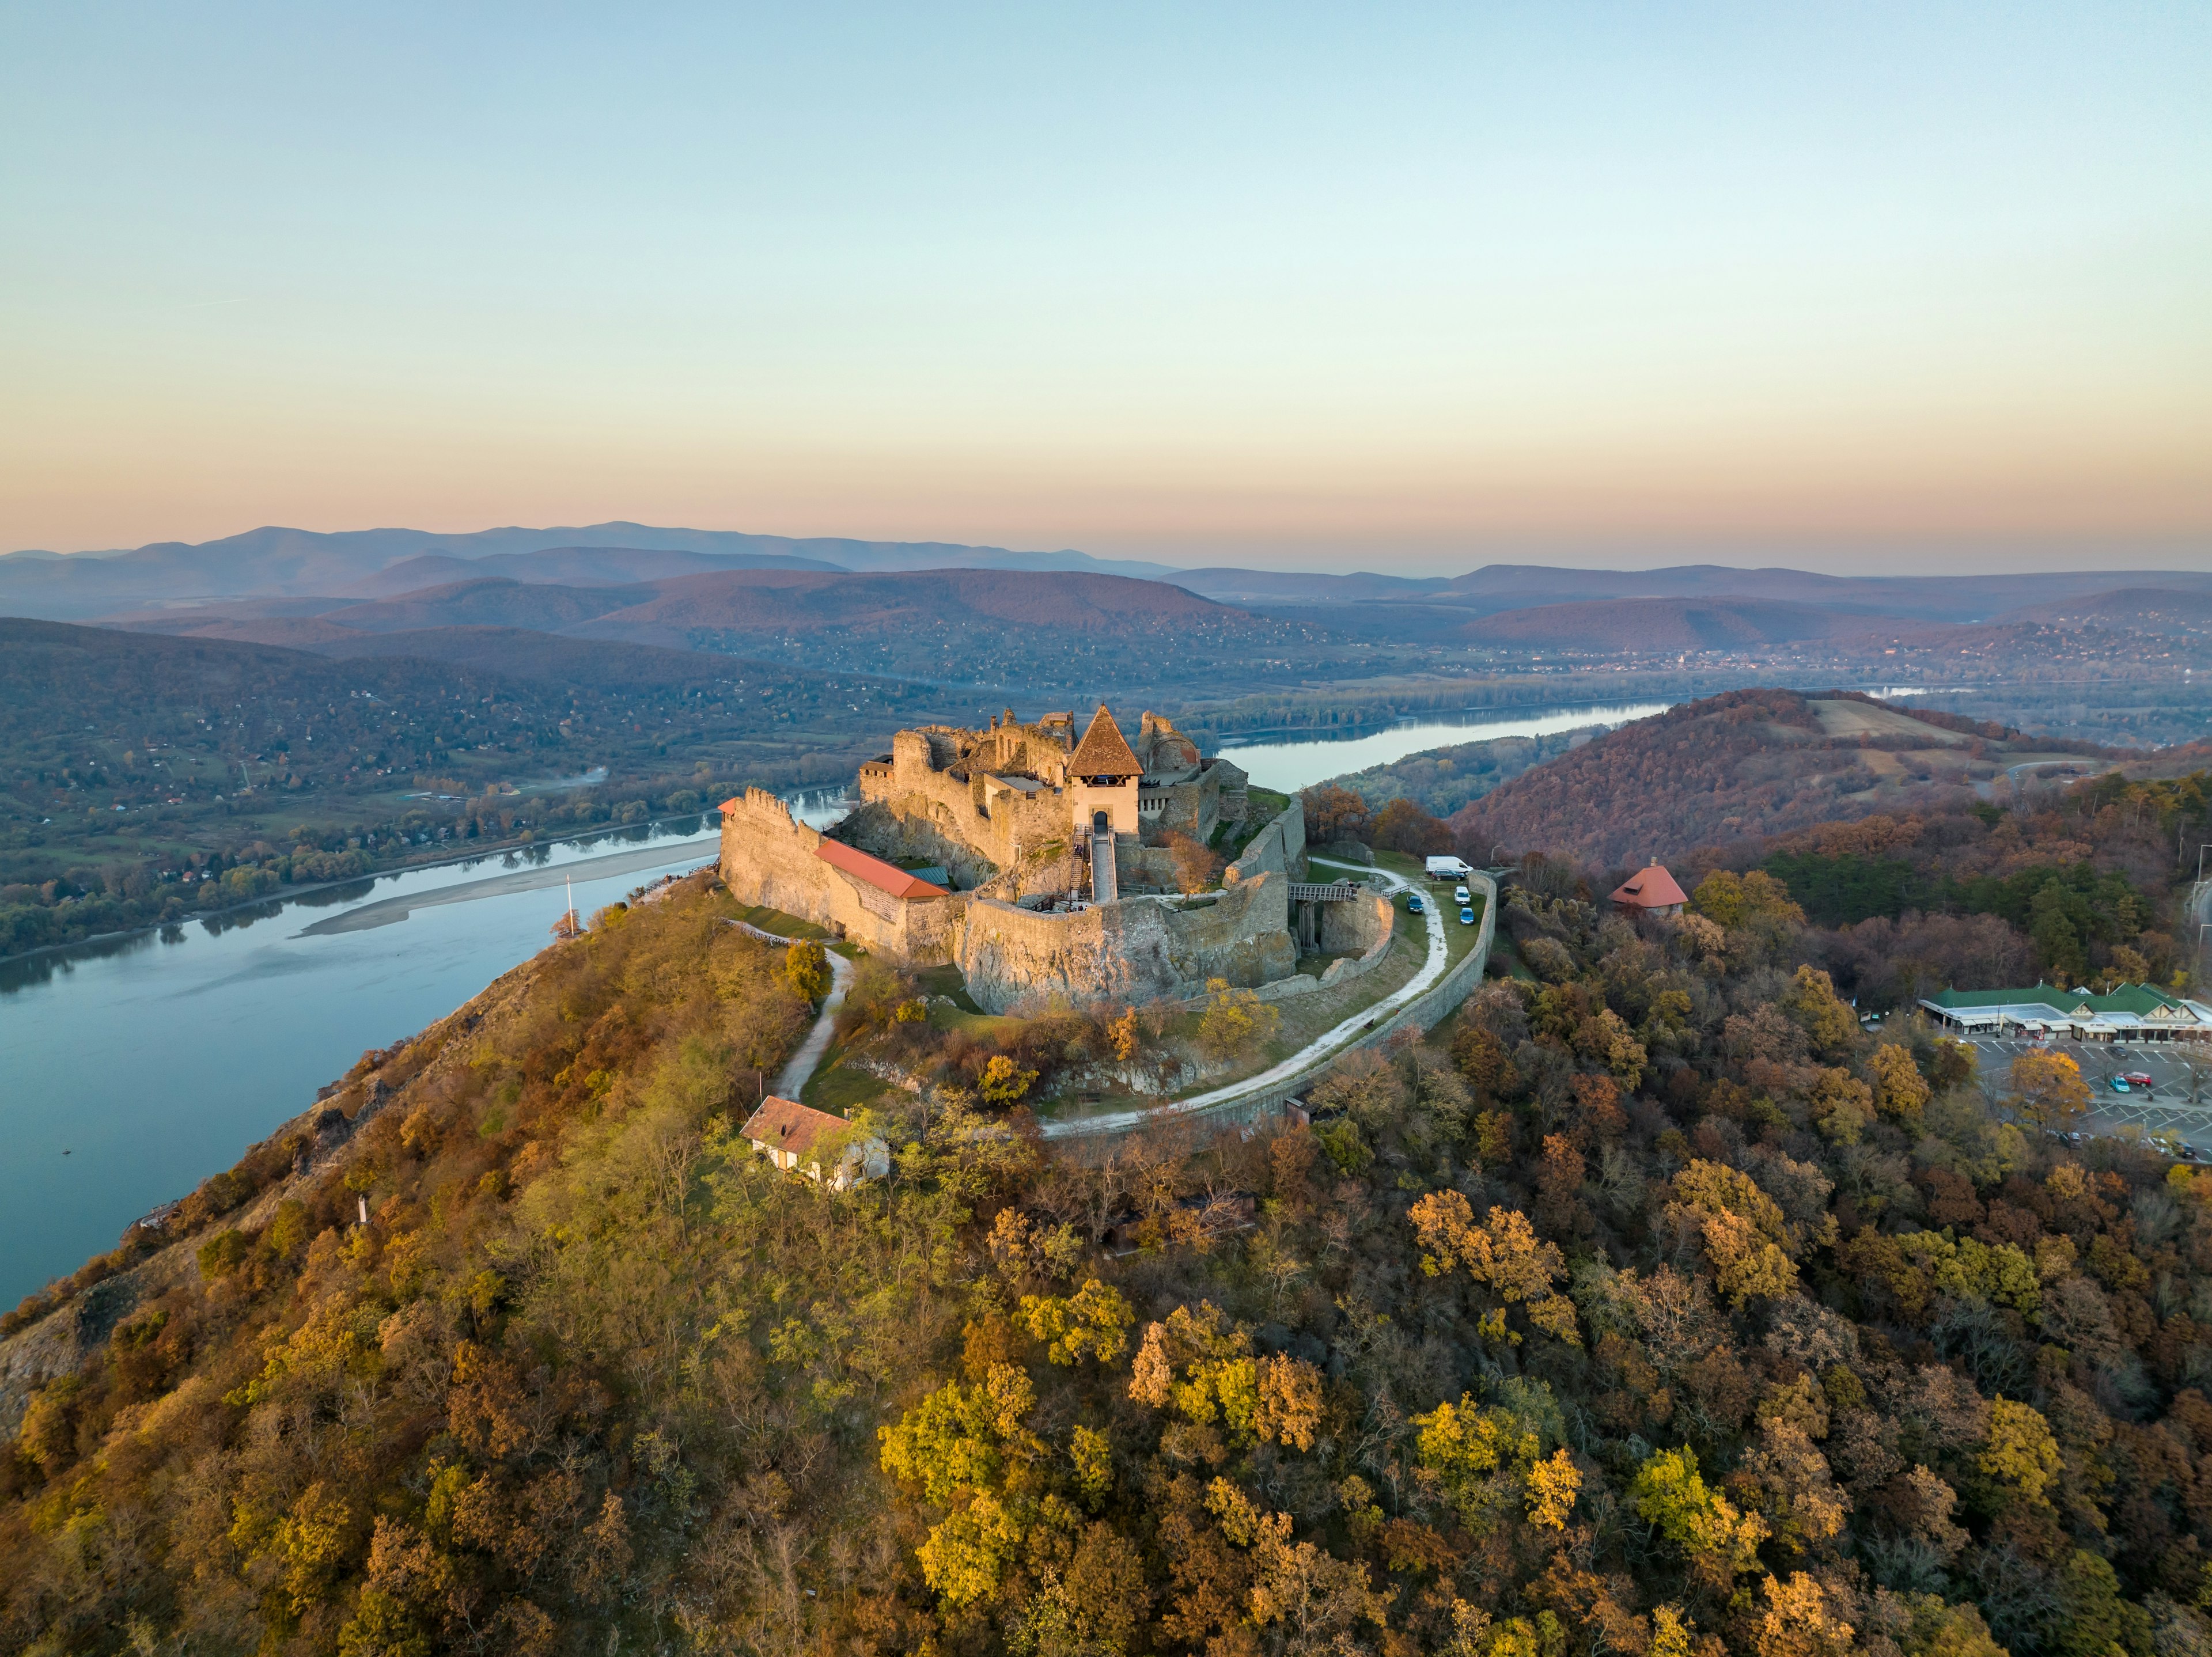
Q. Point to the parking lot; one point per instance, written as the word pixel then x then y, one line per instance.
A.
pixel 2179 1100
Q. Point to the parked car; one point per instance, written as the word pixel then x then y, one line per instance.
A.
pixel 2137 1078
pixel 1467 917
pixel 1414 905
pixel 1462 896
pixel 2120 1084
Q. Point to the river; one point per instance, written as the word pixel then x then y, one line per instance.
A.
pixel 130 1071
pixel 1287 762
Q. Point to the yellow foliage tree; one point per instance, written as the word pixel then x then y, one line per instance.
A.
pixel 1671 1497
pixel 1552 1485
pixel 1899 1090
pixel 1741 902
pixel 2020 1450
pixel 1122 1033
pixel 807 970
pixel 1503 1252
pixel 1090 1323
pixel 1235 1022
pixel 1205 1369
pixel 1746 1238
pixel 2047 1089
pixel 1004 1081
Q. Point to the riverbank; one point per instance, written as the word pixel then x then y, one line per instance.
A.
pixel 299 894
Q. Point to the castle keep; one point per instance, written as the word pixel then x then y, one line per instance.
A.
pixel 1029 857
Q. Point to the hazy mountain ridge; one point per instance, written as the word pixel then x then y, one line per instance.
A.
pixel 275 560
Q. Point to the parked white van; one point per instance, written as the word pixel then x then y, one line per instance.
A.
pixel 1449 869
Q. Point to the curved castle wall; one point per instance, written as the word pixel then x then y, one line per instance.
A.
pixel 1129 951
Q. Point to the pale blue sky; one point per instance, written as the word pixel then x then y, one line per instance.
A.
pixel 1385 287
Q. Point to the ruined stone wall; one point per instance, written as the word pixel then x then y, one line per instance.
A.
pixel 1129 951
pixel 1355 927
pixel 1279 848
pixel 768 857
pixel 917 806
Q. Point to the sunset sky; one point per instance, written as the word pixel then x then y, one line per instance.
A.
pixel 1865 286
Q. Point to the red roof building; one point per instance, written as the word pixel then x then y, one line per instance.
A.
pixel 1651 891
pixel 792 1134
pixel 884 876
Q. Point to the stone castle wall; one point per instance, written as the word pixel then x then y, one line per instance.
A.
pixel 1279 848
pixel 768 858
pixel 1129 951
pixel 997 809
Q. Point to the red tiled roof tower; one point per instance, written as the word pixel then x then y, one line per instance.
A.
pixel 1104 751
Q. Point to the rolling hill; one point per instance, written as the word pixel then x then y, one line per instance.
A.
pixel 565 567
pixel 2164 610
pixel 1655 626
pixel 1056 633
pixel 1747 764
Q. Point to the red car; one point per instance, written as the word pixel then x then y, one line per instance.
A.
pixel 2137 1078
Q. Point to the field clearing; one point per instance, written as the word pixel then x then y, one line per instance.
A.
pixel 1847 719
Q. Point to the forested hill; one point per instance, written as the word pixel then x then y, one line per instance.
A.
pixel 143 778
pixel 1649 1307
pixel 1741 766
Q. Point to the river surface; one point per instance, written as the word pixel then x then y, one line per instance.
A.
pixel 1287 763
pixel 131 1071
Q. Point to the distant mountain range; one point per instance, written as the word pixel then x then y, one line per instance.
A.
pixel 1051 630
pixel 274 561
pixel 1061 625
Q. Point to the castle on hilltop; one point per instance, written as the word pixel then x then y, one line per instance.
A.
pixel 1034 860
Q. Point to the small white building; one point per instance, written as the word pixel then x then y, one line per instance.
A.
pixel 794 1137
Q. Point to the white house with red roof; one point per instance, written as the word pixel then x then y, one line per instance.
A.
pixel 797 1138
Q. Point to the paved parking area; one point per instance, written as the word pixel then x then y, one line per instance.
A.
pixel 2178 1102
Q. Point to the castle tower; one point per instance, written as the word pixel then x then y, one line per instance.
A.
pixel 1102 779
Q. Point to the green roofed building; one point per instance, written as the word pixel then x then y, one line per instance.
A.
pixel 2131 1012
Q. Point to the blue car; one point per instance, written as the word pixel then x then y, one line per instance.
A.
pixel 1414 905
pixel 2120 1084
pixel 1467 917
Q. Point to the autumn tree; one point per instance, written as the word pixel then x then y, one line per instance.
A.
pixel 1671 1496
pixel 1746 1236
pixel 1236 1024
pixel 807 970
pixel 1197 866
pixel 2047 1089
pixel 1751 902
pixel 1403 826
pixel 1332 813
pixel 1899 1090
pixel 1502 1252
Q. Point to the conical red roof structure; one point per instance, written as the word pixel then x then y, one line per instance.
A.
pixel 1651 889
pixel 1104 751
